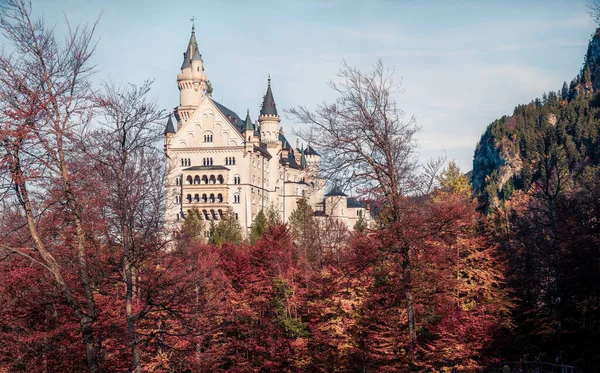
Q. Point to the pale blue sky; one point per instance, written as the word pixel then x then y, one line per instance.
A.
pixel 463 63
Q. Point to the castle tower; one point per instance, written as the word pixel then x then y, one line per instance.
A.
pixel 169 133
pixel 269 119
pixel 192 82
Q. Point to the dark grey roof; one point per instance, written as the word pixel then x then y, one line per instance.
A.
pixel 302 182
pixel 262 149
pixel 248 126
pixel 285 144
pixel 311 151
pixel 192 53
pixel 302 158
pixel 268 106
pixel 353 203
pixel 235 120
pixel 336 191
pixel 198 168
pixel 169 128
pixel 290 161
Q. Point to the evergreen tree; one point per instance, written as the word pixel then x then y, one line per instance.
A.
pixel 452 180
pixel 193 225
pixel 259 227
pixel 361 225
pixel 228 229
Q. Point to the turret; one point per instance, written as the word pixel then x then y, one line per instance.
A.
pixel 269 119
pixel 192 82
pixel 169 132
pixel 250 135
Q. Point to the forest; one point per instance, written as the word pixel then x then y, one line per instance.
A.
pixel 456 274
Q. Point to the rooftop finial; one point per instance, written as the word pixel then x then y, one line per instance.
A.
pixel 269 80
pixel 192 20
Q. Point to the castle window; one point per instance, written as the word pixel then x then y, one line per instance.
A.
pixel 197 179
pixel 189 198
pixel 204 199
pixel 189 179
pixel 212 179
pixel 236 198
pixel 212 198
pixel 208 137
pixel 236 179
pixel 177 181
pixel 196 198
pixel 220 179
pixel 219 198
pixel 204 179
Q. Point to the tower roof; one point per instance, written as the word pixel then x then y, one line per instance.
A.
pixel 303 158
pixel 192 53
pixel 248 123
pixel 336 191
pixel 169 128
pixel 268 106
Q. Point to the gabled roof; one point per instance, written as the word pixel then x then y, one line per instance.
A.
pixel 169 128
pixel 231 116
pixel 192 53
pixel 336 191
pixel 311 151
pixel 268 106
pixel 353 203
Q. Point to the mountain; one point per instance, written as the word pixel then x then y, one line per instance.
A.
pixel 557 133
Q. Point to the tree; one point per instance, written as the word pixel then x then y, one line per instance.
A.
pixel 45 98
pixel 228 229
pixel 193 225
pixel 454 181
pixel 366 144
pixel 304 230
pixel 259 226
pixel 130 167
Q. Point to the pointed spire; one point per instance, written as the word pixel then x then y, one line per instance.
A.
pixel 248 123
pixel 169 128
pixel 192 53
pixel 268 106
pixel 302 157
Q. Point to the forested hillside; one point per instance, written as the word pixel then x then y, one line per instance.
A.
pixel 536 174
pixel 562 125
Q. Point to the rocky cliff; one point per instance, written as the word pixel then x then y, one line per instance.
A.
pixel 507 156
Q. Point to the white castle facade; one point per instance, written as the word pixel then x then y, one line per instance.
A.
pixel 217 160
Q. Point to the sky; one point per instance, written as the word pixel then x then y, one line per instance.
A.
pixel 462 64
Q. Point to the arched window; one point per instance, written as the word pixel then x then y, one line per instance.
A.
pixel 233 160
pixel 208 137
pixel 212 179
pixel 204 179
pixel 220 179
pixel 189 179
pixel 177 199
pixel 236 198
pixel 219 198
pixel 204 199
pixel 197 179
pixel 211 161
pixel 236 179
pixel 177 180
pixel 196 198
pixel 189 198
pixel 212 198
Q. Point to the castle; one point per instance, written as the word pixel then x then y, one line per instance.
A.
pixel 217 160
